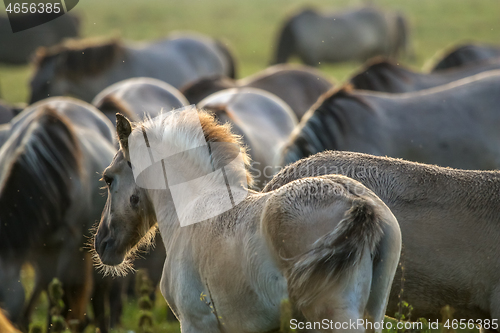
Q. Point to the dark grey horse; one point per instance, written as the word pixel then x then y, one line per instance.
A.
pixel 387 76
pixel 465 54
pixel 454 125
pixel 84 68
pixel 355 35
pixel 16 48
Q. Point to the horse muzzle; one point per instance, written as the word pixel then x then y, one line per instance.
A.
pixel 107 249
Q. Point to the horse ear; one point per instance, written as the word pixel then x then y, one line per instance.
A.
pixel 123 130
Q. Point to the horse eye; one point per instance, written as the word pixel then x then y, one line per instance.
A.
pixel 108 180
pixel 134 200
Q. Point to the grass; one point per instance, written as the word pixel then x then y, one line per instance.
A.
pixel 250 28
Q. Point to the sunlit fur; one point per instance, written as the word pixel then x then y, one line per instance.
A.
pixel 183 129
pixel 127 266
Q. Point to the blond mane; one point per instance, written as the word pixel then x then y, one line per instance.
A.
pixel 185 128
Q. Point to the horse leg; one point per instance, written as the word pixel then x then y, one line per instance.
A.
pixel 75 273
pixel 116 301
pixel 100 297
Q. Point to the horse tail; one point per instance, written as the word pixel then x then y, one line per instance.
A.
pixel 286 43
pixel 402 41
pixel 229 57
pixel 336 256
pixel 38 182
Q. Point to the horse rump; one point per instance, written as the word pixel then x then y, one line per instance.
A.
pixel 335 256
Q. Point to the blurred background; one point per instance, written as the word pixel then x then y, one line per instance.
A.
pixel 250 28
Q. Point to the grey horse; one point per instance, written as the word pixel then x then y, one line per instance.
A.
pixel 387 76
pixel 454 125
pixel 83 68
pixel 354 35
pixel 449 222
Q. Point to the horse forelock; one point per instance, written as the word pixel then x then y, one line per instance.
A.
pixel 37 186
pixel 77 59
pixel 181 129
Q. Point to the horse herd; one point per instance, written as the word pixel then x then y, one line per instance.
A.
pixel 359 195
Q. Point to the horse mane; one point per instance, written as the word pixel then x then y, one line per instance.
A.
pixel 198 90
pixel 36 187
pixel 112 104
pixel 322 125
pixel 185 127
pixel 380 75
pixel 79 58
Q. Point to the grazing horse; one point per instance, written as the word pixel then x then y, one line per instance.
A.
pixel 17 48
pixel 49 198
pixel 264 121
pixel 449 221
pixel 454 125
pixel 387 76
pixel 137 98
pixel 85 68
pixel 329 242
pixel 355 35
pixel 467 54
pixel 299 86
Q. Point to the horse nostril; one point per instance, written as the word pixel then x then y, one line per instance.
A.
pixel 106 244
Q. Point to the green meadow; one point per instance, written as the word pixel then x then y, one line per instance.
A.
pixel 250 28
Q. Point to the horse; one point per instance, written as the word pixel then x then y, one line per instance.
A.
pixel 299 86
pixel 83 68
pixel 17 48
pixel 453 125
pixel 354 35
pixel 9 111
pixel 263 120
pixel 138 97
pixel 466 54
pixel 387 76
pixel 49 198
pixel 312 241
pixel 449 222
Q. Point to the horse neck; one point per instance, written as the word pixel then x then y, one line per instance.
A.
pixel 166 216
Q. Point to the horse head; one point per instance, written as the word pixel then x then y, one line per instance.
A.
pixel 128 218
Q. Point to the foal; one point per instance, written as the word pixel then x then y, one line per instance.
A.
pixel 327 243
